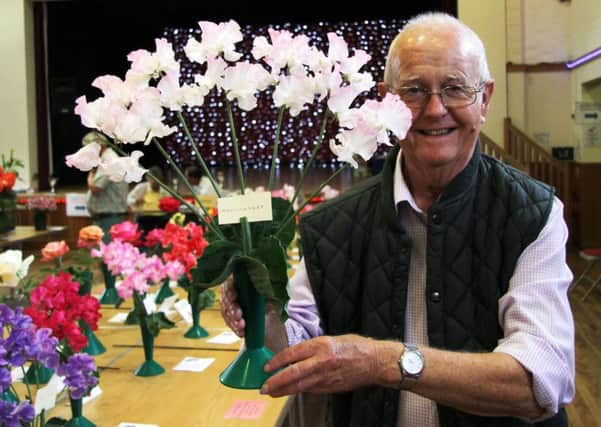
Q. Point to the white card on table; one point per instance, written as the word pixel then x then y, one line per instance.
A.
pixel 184 310
pixel 137 425
pixel 16 374
pixel 95 392
pixel 118 318
pixel 254 206
pixel 45 398
pixel 167 303
pixel 149 304
pixel 227 337
pixel 194 364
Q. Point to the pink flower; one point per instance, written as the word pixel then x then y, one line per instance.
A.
pixel 126 231
pixel 54 250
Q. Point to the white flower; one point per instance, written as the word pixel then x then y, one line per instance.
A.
pixel 361 140
pixel 242 81
pixel 13 267
pixel 216 39
pixel 295 92
pixel 124 168
pixel 86 158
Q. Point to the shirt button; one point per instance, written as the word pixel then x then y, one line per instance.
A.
pixel 436 218
pixel 435 296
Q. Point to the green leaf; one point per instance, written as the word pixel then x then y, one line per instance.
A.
pixel 280 209
pixel 258 274
pixel 214 266
pixel 132 318
pixel 273 255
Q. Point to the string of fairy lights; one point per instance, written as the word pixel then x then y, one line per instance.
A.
pixel 256 129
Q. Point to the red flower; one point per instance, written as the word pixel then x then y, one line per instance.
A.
pixel 56 304
pixel 7 180
pixel 169 204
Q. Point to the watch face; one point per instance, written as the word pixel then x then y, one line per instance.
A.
pixel 412 363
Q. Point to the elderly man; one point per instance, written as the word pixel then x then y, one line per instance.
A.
pixel 439 298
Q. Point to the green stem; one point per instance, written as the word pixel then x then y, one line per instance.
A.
pixel 247 243
pixel 315 193
pixel 172 193
pixel 322 132
pixel 28 390
pixel 230 116
pixel 276 143
pixel 203 165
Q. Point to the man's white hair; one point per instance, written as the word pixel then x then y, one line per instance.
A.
pixel 433 20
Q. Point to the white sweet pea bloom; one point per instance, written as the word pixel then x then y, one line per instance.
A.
pixel 391 114
pixel 130 128
pixel 340 101
pixel 285 50
pixel 119 91
pixel 13 267
pixel 86 158
pixel 242 81
pixel 124 168
pixel 361 140
pixel 295 92
pixel 146 65
pixel 174 97
pixel 216 39
pixel 101 114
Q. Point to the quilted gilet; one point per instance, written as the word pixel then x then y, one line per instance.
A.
pixel 357 256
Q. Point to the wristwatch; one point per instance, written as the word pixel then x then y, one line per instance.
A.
pixel 411 364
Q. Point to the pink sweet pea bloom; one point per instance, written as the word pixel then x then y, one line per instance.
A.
pixel 54 250
pixel 216 39
pixel 125 231
pixel 242 81
pixel 124 168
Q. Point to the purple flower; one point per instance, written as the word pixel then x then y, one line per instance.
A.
pixel 80 374
pixel 13 415
pixel 5 378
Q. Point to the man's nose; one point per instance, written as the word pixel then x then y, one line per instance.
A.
pixel 435 106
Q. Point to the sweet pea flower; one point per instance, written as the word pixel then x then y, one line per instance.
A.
pixel 89 236
pixel 242 81
pixel 126 231
pixel 13 267
pixel 86 158
pixel 54 250
pixel 124 168
pixel 216 39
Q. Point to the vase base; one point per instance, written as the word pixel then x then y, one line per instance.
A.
pixel 196 332
pixel 149 368
pixel 246 372
pixel 109 297
pixel 94 347
pixel 79 422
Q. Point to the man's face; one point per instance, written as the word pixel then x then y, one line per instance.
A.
pixel 441 136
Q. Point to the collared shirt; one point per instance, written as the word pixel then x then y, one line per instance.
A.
pixel 113 197
pixel 534 314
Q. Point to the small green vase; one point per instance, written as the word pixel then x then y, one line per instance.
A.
pixel 40 220
pixel 164 292
pixel 196 331
pixel 246 371
pixel 94 346
pixel 77 419
pixel 110 295
pixel 37 374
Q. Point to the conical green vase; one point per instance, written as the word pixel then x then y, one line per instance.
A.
pixel 246 371
pixel 149 368
pixel 164 293
pixel 196 331
pixel 77 419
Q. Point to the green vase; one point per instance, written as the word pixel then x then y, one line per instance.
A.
pixel 246 371
pixel 196 331
pixel 8 211
pixel 40 219
pixel 37 374
pixel 149 368
pixel 164 292
pixel 77 419
pixel 94 346
pixel 9 396
pixel 110 295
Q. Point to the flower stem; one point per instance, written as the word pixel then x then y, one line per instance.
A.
pixel 306 202
pixel 276 144
pixel 179 172
pixel 246 236
pixel 203 165
pixel 210 224
pixel 322 132
pixel 230 116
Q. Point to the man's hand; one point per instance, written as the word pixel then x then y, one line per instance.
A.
pixel 323 365
pixel 230 310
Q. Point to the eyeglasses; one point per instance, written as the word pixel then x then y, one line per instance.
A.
pixel 453 96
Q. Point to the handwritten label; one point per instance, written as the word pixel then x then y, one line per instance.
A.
pixel 194 364
pixel 246 410
pixel 137 425
pixel 184 309
pixel 95 392
pixel 254 206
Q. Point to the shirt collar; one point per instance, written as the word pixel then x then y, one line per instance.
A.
pixel 401 191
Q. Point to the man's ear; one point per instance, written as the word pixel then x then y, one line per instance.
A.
pixel 486 95
pixel 382 89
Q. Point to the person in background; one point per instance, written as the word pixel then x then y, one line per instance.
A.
pixel 200 183
pixel 144 199
pixel 435 293
pixel 106 202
